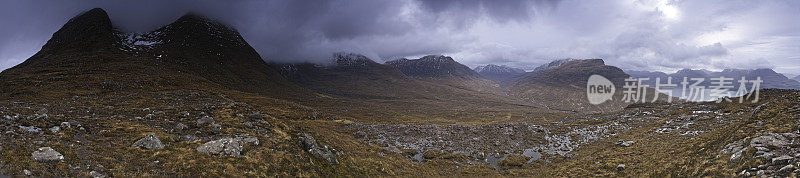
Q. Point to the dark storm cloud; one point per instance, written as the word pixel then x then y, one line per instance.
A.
pixel 281 30
pixel 638 34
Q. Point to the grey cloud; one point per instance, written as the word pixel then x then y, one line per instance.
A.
pixel 518 33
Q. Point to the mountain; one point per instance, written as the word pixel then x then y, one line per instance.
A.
pixel 350 75
pixel 772 79
pixel 796 78
pixel 433 66
pixel 561 85
pixel 553 64
pixel 190 51
pixel 495 72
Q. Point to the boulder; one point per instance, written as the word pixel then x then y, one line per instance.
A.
pixel 42 111
pixel 205 120
pixel 231 147
pixel 185 113
pixel 149 142
pixel 55 129
pixel 770 140
pixel 623 143
pixel 308 143
pixel 787 169
pixel 216 127
pixel 180 127
pixel 47 155
pixel 781 160
pixel 256 116
pixel 189 138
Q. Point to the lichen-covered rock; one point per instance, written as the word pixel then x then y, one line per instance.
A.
pixel 149 142
pixel 623 143
pixel 223 147
pixel 47 155
pixel 308 143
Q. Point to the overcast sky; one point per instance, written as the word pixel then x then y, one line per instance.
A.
pixel 660 35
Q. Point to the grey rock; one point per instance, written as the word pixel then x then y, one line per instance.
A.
pixel 149 142
pixel 308 143
pixel 185 113
pixel 180 127
pixel 621 167
pixel 392 149
pixel 65 125
pixel 787 168
pixel 27 172
pixel 42 111
pixel 770 140
pixel 251 139
pixel 190 138
pixel 205 120
pixel 216 127
pixel 736 156
pixel 256 116
pixel 360 134
pixel 223 147
pixel 41 116
pixel 97 174
pixel 781 160
pixel 47 155
pixel 248 124
pixel 623 143
pixel 760 172
pixel 55 129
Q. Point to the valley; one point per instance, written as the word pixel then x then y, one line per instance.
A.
pixel 193 98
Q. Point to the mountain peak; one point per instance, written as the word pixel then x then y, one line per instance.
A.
pixel 342 59
pixel 433 66
pixel 193 29
pixel 89 31
pixel 571 62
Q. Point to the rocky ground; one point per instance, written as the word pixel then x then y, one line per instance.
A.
pixel 195 132
pixel 481 144
pixel 77 136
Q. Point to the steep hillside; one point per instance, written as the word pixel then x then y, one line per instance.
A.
pixel 561 85
pixel 187 53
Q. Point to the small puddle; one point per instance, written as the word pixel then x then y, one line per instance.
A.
pixel 493 159
pixel 534 155
pixel 418 157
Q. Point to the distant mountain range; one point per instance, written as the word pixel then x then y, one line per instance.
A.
pixel 770 78
pixel 497 72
